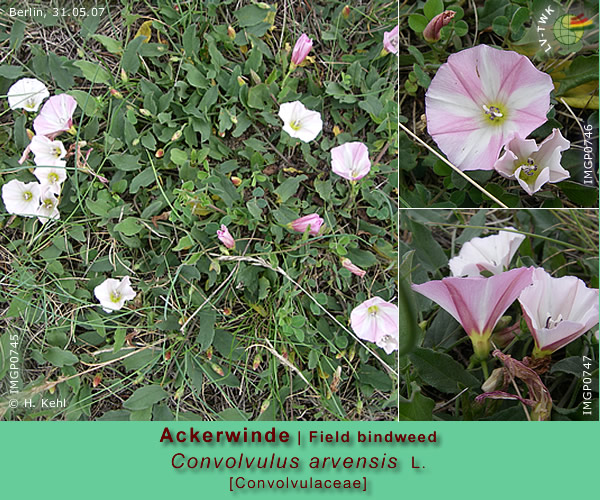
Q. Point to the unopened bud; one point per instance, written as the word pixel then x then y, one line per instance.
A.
pixel 209 353
pixel 236 180
pixel 217 369
pixel 241 81
pixel 346 12
pixel 230 32
pixel 135 142
pixel 124 77
pixel 97 380
pixel 256 362
pixel 145 112
pixel 494 381
pixel 116 94
pixel 159 153
pixel 176 135
pixel 30 134
pixel 255 78
pixel 167 355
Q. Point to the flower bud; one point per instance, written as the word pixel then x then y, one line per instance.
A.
pixel 176 135
pixel 346 12
pixel 230 32
pixel 159 153
pixel 241 81
pixel 431 33
pixel 145 112
pixel 124 77
pixel 301 50
pixel 236 180
pixel 116 94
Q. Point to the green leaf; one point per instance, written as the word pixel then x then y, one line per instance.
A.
pixel 585 196
pixel 374 377
pixel 125 162
pixel 94 72
pixel 432 8
pixel 206 331
pixel 582 70
pixel 233 415
pixel 130 61
pixel 10 72
pixel 500 25
pixel 110 44
pixel 417 22
pixel 209 99
pixel 441 371
pixel 143 179
pixel 574 366
pixel 429 251
pixel 185 243
pixel 289 187
pixel 129 226
pixel 178 156
pixel 60 358
pixel 418 408
pixel 119 339
pixel 145 397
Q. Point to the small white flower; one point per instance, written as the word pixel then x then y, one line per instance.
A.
pixel 113 293
pixel 27 93
pixel 492 254
pixel 21 198
pixel 47 152
pixel 300 122
pixel 48 209
pixel 52 177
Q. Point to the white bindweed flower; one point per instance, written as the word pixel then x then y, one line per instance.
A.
pixel 21 198
pixel 52 177
pixel 47 152
pixel 492 254
pixel 532 165
pixel 351 160
pixel 113 293
pixel 300 122
pixel 48 209
pixel 376 320
pixel 27 93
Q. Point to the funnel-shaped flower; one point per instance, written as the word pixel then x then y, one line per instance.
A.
pixel 492 254
pixel 431 33
pixel 301 49
pixel 351 160
pixel 52 177
pixel 479 99
pixel 47 152
pixel 558 310
pixel 113 293
pixel 21 198
pixel 48 209
pixel 376 320
pixel 477 303
pixel 56 116
pixel 353 268
pixel 390 40
pixel 534 165
pixel 27 93
pixel 300 122
pixel 312 221
pixel 225 237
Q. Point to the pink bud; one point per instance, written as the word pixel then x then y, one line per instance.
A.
pixel 301 49
pixel 225 237
pixel 431 33
pixel 347 263
pixel 346 12
pixel 303 223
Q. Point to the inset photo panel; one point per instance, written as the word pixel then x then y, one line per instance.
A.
pixel 499 104
pixel 499 315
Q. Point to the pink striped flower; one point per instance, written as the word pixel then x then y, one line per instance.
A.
pixel 376 320
pixel 391 40
pixel 301 49
pixel 431 33
pixel 56 116
pixel 353 268
pixel 312 221
pixel 479 99
pixel 351 160
pixel 478 303
pixel 225 237
pixel 558 310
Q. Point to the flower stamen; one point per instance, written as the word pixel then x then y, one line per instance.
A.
pixel 529 168
pixel 373 310
pixel 551 323
pixel 493 112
